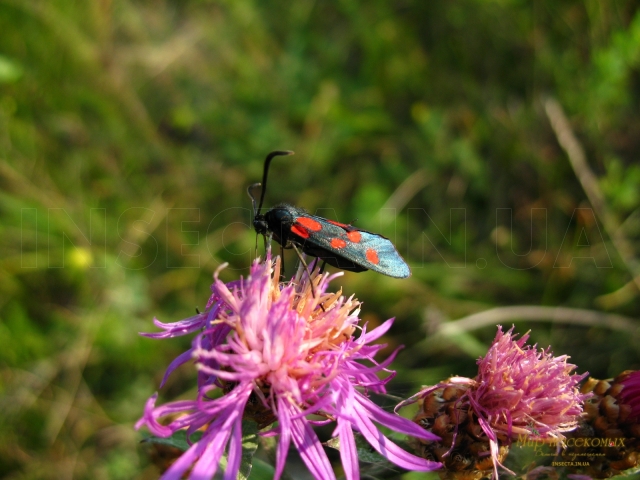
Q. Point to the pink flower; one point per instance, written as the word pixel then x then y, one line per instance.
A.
pixel 277 352
pixel 518 391
pixel 630 394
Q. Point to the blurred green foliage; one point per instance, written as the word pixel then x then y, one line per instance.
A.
pixel 129 131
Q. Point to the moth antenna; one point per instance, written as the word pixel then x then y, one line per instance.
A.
pixel 250 190
pixel 267 162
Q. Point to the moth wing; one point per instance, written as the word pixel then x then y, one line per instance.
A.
pixel 368 250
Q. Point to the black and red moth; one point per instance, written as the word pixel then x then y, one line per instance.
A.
pixel 343 246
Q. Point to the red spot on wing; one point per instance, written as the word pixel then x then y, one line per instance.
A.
pixel 372 256
pixel 338 243
pixel 309 224
pixel 354 236
pixel 300 231
pixel 338 224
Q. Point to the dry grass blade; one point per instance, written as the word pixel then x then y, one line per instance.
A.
pixel 589 182
pixel 573 316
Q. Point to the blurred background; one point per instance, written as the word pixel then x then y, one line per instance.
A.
pixel 495 142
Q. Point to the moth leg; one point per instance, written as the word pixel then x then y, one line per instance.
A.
pixel 324 264
pixel 282 262
pixel 306 269
pixel 256 250
pixel 267 242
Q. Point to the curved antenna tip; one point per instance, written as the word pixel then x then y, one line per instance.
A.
pixel 281 153
pixel 267 161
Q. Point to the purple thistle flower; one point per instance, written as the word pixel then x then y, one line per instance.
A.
pixel 518 388
pixel 630 394
pixel 279 353
pixel 518 391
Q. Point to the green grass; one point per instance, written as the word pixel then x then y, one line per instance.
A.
pixel 129 132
